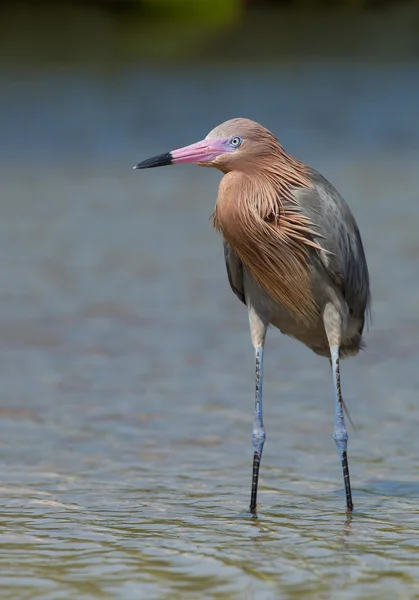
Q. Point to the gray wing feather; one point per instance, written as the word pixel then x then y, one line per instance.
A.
pixel 346 264
pixel 234 268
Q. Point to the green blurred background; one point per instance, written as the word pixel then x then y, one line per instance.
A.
pixel 109 31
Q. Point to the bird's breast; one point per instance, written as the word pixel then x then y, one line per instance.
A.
pixel 273 258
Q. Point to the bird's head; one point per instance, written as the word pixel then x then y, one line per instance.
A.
pixel 235 144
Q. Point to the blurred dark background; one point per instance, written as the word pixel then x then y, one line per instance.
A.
pixel 111 32
pixel 111 76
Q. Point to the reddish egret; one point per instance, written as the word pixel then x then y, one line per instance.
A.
pixel 293 253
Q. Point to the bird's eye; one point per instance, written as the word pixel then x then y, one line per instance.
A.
pixel 236 141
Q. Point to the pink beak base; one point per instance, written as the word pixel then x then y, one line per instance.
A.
pixel 199 153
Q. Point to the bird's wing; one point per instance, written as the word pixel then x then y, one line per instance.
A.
pixel 344 260
pixel 234 268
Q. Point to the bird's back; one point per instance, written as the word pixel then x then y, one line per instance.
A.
pixel 344 262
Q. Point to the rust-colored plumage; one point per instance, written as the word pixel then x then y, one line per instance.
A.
pixel 258 216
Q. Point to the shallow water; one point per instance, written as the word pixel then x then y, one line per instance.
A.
pixel 127 371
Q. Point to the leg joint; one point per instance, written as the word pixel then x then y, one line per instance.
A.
pixel 340 436
pixel 258 438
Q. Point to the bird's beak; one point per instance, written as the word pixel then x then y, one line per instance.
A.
pixel 199 153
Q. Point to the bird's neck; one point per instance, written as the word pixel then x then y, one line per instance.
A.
pixel 280 171
pixel 264 185
pixel 260 219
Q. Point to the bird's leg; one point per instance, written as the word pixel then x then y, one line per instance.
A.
pixel 332 322
pixel 340 435
pixel 258 326
pixel 258 434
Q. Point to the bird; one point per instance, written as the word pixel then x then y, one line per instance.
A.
pixel 294 257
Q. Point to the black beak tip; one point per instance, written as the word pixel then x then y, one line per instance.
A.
pixel 161 160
